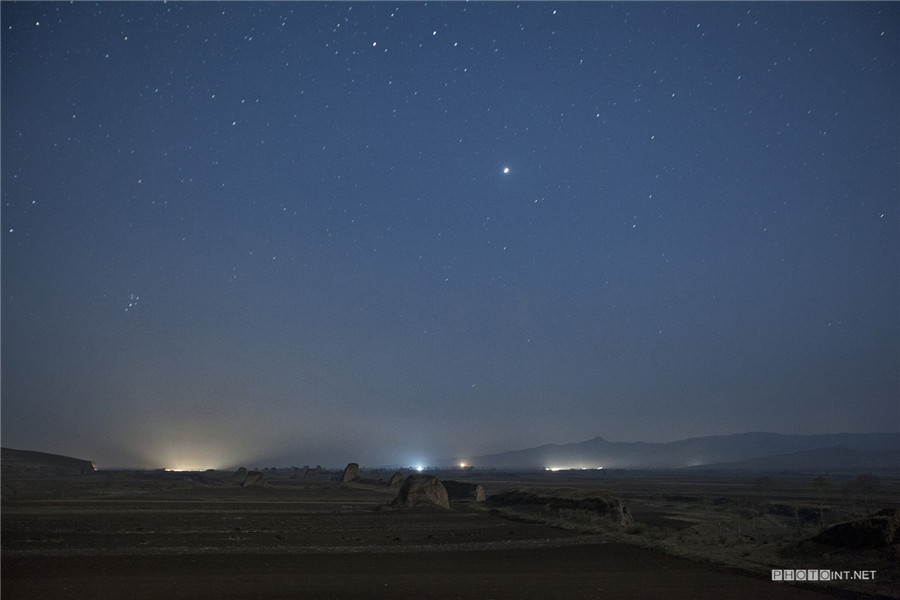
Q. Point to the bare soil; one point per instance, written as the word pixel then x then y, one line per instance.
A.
pixel 133 535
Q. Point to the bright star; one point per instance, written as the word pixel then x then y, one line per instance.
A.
pixel 505 170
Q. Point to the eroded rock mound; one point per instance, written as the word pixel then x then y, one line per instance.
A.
pixel 422 490
pixel 462 490
pixel 875 531
pixel 396 479
pixel 29 463
pixel 562 499
pixel 255 479
pixel 239 476
pixel 351 472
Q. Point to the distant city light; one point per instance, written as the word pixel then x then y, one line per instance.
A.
pixel 420 468
pixel 186 468
pixel 575 468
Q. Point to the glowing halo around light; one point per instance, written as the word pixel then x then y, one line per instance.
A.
pixel 573 468
pixel 506 170
pixel 185 442
pixel 200 455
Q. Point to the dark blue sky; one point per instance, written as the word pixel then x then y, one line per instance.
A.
pixel 285 233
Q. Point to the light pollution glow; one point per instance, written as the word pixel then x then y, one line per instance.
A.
pixel 577 468
pixel 196 456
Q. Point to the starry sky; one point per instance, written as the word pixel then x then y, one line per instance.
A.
pixel 308 233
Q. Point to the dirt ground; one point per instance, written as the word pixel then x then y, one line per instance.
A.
pixel 565 572
pixel 114 535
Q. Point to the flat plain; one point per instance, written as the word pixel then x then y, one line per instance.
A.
pixel 134 534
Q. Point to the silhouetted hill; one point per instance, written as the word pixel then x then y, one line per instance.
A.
pixel 821 459
pixel 693 452
pixel 30 463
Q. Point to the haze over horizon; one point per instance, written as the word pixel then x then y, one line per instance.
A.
pixel 315 233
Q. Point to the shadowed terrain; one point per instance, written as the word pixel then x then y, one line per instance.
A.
pixel 152 534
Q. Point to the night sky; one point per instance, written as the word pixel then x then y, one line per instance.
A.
pixel 308 233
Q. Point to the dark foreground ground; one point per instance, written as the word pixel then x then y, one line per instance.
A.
pixel 114 535
pixel 566 572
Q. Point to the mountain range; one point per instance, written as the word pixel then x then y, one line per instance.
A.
pixel 751 451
